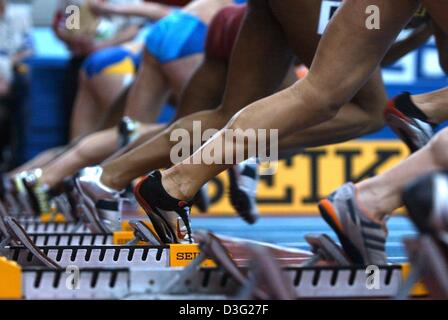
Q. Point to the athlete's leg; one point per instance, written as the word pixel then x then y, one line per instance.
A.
pixel 47 157
pixel 39 161
pixel 180 71
pixel 89 151
pixel 261 39
pixel 85 111
pixel 149 91
pixel 362 116
pixel 433 104
pixel 438 10
pixel 108 87
pixel 116 112
pixel 319 96
pixel 94 99
pixel 203 91
pixel 380 195
pixel 97 147
pixel 205 88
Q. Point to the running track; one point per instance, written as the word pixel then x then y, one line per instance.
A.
pixel 290 231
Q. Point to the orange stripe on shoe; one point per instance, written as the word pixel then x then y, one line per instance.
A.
pixel 392 109
pixel 332 213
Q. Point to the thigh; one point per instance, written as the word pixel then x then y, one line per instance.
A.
pixel 349 52
pixel 179 72
pixel 260 59
pixel 205 88
pixel 438 9
pixel 108 87
pixel 299 20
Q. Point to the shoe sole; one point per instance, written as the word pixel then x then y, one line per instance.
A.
pixel 400 126
pixel 90 205
pixel 328 213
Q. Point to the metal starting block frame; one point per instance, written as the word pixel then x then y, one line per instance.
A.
pixel 54 227
pixel 108 256
pixel 71 239
pixel 119 272
pixel 91 250
pixel 308 283
pixel 146 281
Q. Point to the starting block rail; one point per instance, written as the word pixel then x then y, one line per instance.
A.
pixel 94 256
pixel 308 283
pixel 41 284
pixel 53 227
pixel 71 239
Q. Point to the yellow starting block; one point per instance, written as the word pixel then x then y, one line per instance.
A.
pixel 12 282
pixel 181 255
pixel 10 279
pixel 51 217
pixel 123 237
pixel 419 289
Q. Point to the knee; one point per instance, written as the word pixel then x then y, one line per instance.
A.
pixel 373 119
pixel 224 114
pixel 375 123
pixel 325 103
pixel 439 147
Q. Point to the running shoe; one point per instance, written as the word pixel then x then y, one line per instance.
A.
pixel 22 194
pixel 39 193
pixel 243 181
pixel 101 200
pixel 363 240
pixel 127 131
pixel 426 200
pixel 169 216
pixel 202 200
pixel 415 133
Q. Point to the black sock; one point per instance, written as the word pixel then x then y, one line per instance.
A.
pixel 404 103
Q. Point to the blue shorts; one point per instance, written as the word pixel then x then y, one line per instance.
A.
pixel 176 36
pixel 113 60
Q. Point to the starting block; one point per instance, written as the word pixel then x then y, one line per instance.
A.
pixel 10 279
pixel 226 280
pixel 134 262
pixel 429 262
pixel 54 227
pixel 326 250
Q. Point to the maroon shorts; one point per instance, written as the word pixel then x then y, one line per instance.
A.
pixel 223 32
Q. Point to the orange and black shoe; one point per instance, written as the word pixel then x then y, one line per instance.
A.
pixel 362 239
pixel 169 216
pixel 408 122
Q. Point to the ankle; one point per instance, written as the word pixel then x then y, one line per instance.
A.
pixel 110 181
pixel 175 186
pixel 368 200
pixel 430 109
